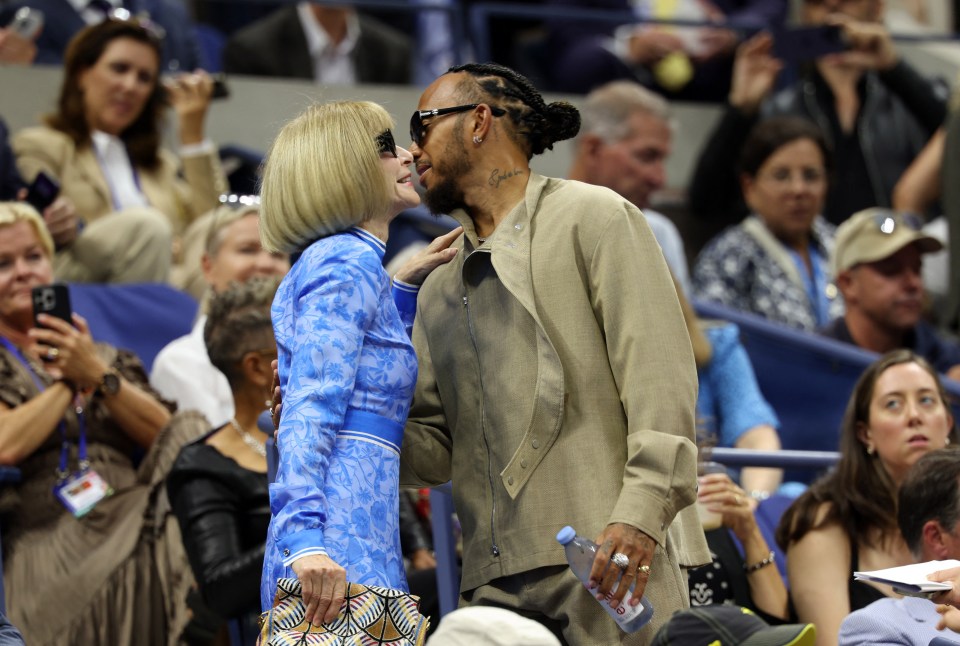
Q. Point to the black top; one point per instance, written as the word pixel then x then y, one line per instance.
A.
pixel 223 510
pixel 861 594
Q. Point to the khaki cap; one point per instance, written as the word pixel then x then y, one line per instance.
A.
pixel 874 234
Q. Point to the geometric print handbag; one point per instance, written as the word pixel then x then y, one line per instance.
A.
pixel 371 616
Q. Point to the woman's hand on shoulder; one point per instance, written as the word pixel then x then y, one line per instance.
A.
pixel 75 357
pixel 437 253
pixel 323 584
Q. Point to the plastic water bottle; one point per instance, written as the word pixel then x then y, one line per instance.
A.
pixel 580 554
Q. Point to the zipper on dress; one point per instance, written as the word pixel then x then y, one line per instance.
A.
pixel 494 549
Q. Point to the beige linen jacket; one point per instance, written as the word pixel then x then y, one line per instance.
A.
pixel 611 438
pixel 181 199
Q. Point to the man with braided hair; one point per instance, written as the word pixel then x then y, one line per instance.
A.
pixel 557 384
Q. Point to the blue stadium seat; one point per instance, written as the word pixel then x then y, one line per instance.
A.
pixel 806 378
pixel 140 317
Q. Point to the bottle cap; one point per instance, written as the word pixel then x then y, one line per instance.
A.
pixel 566 535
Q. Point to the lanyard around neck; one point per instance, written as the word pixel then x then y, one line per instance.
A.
pixel 81 423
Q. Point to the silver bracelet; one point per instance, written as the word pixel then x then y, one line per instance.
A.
pixel 760 564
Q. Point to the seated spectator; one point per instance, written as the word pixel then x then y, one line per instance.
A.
pixel 107 570
pixel 875 110
pixel 846 521
pixel 182 371
pixel 751 580
pixel 730 406
pixel 218 484
pixel 928 513
pixel 330 45
pixel 623 144
pixel 878 260
pixel 775 263
pixel 723 625
pixel 106 156
pixel 64 19
pixel 683 63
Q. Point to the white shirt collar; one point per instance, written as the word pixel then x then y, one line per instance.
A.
pixel 318 42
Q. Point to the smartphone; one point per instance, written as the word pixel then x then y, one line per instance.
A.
pixel 53 300
pixel 42 192
pixel 27 23
pixel 808 43
pixel 220 89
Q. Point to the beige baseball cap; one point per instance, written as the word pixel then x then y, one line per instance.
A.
pixel 874 234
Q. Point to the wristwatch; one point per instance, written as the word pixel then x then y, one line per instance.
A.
pixel 109 383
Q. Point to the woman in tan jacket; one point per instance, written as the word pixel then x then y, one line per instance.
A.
pixel 102 145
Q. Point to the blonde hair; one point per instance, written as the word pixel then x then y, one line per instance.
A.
pixel 323 174
pixel 13 212
pixel 223 216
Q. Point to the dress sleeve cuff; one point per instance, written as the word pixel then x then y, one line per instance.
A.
pixel 405 297
pixel 305 543
pixel 205 147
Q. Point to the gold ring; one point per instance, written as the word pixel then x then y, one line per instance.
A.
pixel 645 569
pixel 53 353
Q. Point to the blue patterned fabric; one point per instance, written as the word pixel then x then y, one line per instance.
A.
pixel 347 372
pixel 729 400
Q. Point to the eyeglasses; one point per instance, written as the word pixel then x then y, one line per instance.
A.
pixel 385 143
pixel 887 222
pixel 809 176
pixel 418 129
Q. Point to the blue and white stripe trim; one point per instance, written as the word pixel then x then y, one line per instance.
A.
pixel 378 245
pixel 370 427
pixel 299 554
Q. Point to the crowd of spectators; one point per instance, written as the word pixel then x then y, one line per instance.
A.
pixel 826 178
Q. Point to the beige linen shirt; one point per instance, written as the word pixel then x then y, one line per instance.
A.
pixel 603 416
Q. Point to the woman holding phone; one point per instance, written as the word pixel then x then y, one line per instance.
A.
pixel 88 556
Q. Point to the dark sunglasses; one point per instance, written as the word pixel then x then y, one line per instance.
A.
pixel 888 221
pixel 418 129
pixel 386 144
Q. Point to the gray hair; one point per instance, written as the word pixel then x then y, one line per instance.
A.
pixel 607 109
pixel 238 322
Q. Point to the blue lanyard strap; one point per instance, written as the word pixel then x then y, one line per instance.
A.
pixel 84 463
pixel 815 283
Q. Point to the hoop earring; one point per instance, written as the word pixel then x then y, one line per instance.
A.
pixel 477 140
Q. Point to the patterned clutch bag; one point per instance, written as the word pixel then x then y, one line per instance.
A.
pixel 370 616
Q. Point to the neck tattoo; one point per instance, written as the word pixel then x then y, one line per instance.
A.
pixel 260 448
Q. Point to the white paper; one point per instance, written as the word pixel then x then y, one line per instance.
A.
pixel 912 578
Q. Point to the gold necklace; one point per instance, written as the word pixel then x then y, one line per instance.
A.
pixel 260 448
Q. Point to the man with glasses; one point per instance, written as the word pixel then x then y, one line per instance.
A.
pixel 878 258
pixel 556 380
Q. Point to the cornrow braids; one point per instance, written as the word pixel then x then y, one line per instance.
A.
pixel 537 123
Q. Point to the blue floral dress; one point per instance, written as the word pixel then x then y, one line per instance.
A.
pixel 347 373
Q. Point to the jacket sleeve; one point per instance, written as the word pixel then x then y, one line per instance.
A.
pixel 425 459
pixel 334 308
pixel 202 184
pixel 714 192
pixel 649 351
pixel 926 99
pixel 36 151
pixel 228 575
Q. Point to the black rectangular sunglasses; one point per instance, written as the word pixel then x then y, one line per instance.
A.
pixel 386 144
pixel 418 130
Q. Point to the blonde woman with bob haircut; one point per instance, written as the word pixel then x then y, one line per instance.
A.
pixel 333 180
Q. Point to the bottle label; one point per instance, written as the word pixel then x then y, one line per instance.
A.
pixel 624 613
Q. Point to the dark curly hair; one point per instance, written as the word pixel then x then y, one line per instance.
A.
pixel 142 137
pixel 537 125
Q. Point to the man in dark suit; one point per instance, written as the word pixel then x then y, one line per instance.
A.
pixel 323 43
pixel 63 19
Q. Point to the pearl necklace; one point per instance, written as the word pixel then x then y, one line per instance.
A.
pixel 260 448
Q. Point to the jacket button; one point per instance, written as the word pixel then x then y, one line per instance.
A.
pixel 535 444
pixel 286 552
pixel 523 464
pixel 510 480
